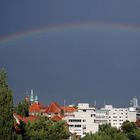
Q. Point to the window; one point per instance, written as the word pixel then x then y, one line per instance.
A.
pixel 115 120
pixel 77 125
pixel 84 127
pixel 84 133
pixel 74 120
pixel 92 115
pixel 71 125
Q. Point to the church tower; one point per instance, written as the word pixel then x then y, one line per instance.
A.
pixel 36 99
pixel 32 96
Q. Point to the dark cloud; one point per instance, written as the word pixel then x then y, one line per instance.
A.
pixel 76 65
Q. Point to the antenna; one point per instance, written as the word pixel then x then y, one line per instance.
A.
pixel 64 106
pixel 26 92
pixel 104 103
pixel 95 103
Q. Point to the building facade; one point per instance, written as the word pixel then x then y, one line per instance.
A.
pixel 102 116
pixel 87 119
pixel 116 116
pixel 83 120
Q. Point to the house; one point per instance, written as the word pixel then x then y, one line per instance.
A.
pixel 69 110
pixel 36 109
pixel 54 109
pixel 19 118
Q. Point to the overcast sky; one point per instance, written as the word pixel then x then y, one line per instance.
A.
pixel 74 59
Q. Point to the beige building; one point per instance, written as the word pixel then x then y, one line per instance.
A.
pixel 119 115
pixel 87 119
pixel 83 120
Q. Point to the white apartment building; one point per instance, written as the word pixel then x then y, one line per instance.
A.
pixel 87 119
pixel 119 115
pixel 82 121
pixel 102 116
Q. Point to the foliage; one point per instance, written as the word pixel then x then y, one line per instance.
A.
pixel 128 127
pixel 6 109
pixel 23 108
pixel 131 130
pixel 106 132
pixel 45 129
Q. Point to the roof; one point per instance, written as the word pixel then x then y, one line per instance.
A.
pixel 35 107
pixel 24 119
pixel 53 108
pixel 69 109
pixel 56 118
pixel 29 119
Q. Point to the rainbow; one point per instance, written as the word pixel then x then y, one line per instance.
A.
pixel 61 28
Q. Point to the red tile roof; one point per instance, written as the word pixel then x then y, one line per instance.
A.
pixel 69 109
pixel 53 108
pixel 35 107
pixel 56 118
pixel 25 119
pixel 29 119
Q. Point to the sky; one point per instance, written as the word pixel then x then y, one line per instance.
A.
pixel 78 51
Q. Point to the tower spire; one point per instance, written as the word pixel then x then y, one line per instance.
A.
pixel 32 96
pixel 36 99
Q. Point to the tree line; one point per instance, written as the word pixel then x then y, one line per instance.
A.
pixel 128 131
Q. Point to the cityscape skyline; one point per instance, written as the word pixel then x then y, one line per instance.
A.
pixel 30 96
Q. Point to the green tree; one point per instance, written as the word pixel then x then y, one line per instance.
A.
pixel 137 134
pixel 106 132
pixel 22 108
pixel 97 136
pixel 6 109
pixel 58 131
pixel 45 129
pixel 131 130
pixel 128 127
